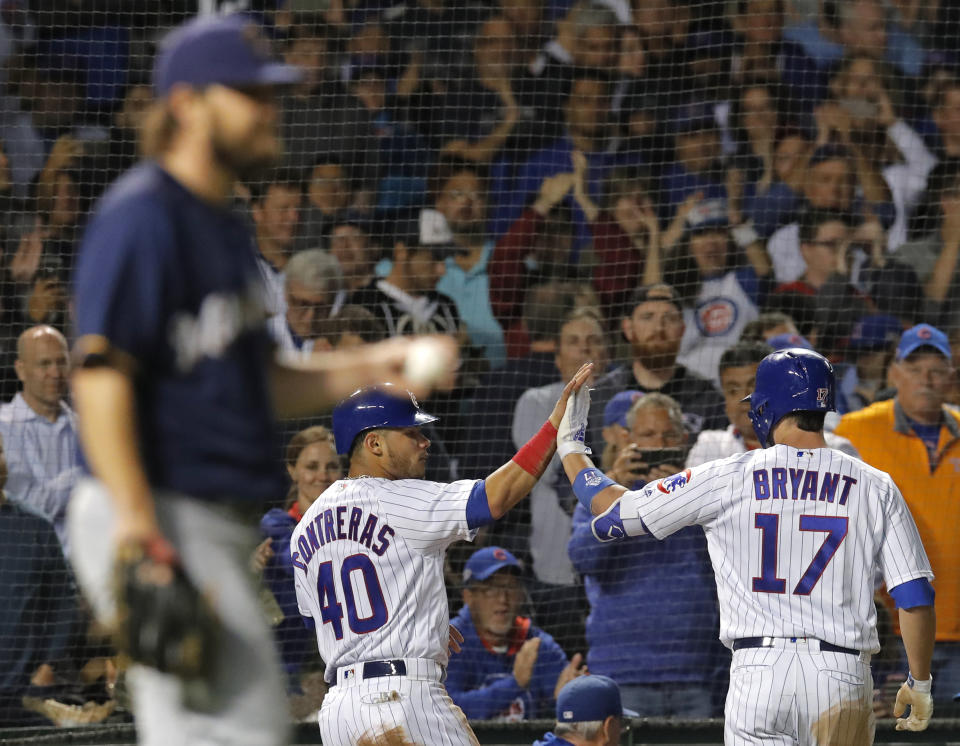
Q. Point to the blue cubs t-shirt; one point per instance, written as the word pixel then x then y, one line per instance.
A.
pixel 172 281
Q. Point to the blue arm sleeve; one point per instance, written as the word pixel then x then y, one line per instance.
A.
pixel 588 483
pixel 913 593
pixel 478 506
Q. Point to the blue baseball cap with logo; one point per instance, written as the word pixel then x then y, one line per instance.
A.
pixel 615 413
pixel 923 335
pixel 225 50
pixel 487 561
pixel 590 698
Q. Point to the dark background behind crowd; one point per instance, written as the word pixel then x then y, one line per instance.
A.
pixel 669 188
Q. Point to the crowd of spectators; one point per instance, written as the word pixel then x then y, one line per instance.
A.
pixel 668 188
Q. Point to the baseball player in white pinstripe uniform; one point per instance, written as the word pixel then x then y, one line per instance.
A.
pixel 369 557
pixel 795 532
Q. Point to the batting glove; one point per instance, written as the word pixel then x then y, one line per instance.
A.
pixel 573 426
pixel 917 695
pixel 607 526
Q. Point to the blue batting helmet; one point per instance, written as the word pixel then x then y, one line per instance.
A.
pixel 373 407
pixel 791 380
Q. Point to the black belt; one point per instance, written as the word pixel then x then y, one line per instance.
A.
pixel 373 669
pixel 767 642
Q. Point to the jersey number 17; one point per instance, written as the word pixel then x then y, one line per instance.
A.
pixel 769 525
pixel 331 610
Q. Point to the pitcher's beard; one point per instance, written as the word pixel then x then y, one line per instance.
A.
pixel 245 164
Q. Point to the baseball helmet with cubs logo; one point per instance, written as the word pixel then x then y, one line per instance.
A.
pixel 790 380
pixel 374 407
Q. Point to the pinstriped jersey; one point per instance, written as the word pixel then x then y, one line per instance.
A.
pixel 795 537
pixel 368 562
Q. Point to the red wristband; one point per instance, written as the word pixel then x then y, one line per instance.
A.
pixel 537 452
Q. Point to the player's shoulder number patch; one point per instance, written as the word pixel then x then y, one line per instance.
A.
pixel 674 482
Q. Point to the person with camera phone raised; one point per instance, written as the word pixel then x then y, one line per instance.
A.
pixel 661 671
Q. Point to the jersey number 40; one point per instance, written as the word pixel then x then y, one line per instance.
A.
pixel 331 610
pixel 769 525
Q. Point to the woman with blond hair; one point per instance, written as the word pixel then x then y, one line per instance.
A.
pixel 313 465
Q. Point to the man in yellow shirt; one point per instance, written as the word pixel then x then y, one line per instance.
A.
pixel 915 437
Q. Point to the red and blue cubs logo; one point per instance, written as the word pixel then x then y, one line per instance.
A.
pixel 716 316
pixel 674 482
pixel 499 554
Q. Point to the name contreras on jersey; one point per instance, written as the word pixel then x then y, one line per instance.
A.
pixel 802 484
pixel 334 524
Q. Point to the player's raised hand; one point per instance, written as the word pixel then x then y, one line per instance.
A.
pixel 921 708
pixel 455 640
pixel 573 386
pixel 525 661
pixel 575 403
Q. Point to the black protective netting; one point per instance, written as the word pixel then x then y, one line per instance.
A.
pixel 784 167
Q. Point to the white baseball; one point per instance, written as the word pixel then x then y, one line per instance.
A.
pixel 426 362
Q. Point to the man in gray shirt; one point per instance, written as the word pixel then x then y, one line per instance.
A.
pixel 557 597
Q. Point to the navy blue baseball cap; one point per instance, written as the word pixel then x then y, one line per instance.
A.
pixel 590 698
pixel 923 335
pixel 225 50
pixel 485 562
pixel 615 413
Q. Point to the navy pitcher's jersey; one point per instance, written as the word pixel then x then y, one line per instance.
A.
pixel 171 281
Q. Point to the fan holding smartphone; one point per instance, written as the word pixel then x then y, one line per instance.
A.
pixel 646 438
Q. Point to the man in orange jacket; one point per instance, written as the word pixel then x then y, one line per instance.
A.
pixel 915 437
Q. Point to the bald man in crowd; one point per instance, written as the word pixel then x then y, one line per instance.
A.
pixel 39 429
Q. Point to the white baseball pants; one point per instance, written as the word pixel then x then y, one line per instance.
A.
pixel 792 693
pixel 418 703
